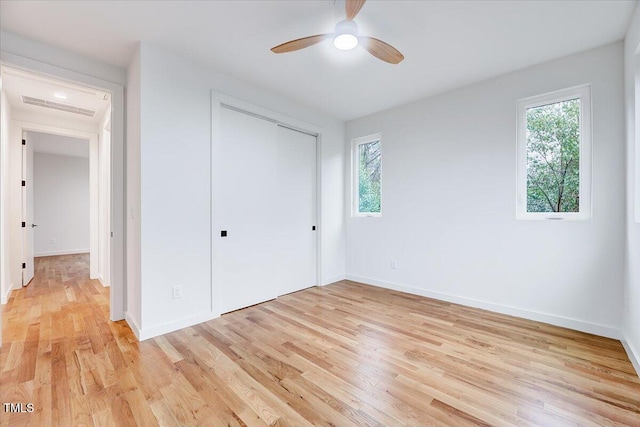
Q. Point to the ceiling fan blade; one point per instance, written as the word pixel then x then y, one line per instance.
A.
pixel 353 7
pixel 298 44
pixel 382 50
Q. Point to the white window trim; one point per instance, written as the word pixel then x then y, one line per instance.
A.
pixel 355 193
pixel 636 143
pixel 585 209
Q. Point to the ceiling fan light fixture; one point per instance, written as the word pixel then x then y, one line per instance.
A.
pixel 346 35
pixel 345 41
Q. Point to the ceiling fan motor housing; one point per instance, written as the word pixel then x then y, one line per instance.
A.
pixel 346 35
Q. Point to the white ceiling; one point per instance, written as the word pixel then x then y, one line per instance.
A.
pixel 16 84
pixel 447 44
pixel 57 144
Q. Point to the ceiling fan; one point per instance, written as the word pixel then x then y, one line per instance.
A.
pixel 345 37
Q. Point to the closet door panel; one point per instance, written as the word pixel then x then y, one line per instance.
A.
pixel 245 204
pixel 296 210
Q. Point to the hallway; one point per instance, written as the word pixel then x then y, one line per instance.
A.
pixel 61 313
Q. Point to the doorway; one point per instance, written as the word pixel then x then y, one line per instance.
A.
pixel 49 122
pixel 59 201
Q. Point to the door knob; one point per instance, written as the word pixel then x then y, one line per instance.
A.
pixel 34 225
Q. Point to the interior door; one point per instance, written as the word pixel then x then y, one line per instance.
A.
pixel 296 210
pixel 245 208
pixel 27 211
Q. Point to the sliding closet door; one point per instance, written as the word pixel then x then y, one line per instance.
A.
pixel 297 209
pixel 246 207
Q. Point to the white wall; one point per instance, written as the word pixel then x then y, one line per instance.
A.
pixel 45 142
pixel 175 138
pixel 5 215
pixel 61 204
pixel 448 183
pixel 58 57
pixel 632 99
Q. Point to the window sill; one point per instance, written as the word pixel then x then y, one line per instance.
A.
pixel 367 215
pixel 553 217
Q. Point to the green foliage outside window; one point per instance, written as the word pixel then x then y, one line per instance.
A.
pixel 553 157
pixel 369 177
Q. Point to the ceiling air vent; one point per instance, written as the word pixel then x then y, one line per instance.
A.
pixel 57 106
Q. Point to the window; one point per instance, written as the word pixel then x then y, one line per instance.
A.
pixel 554 155
pixel 367 163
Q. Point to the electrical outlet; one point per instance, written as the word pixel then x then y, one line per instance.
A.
pixel 177 291
pixel 52 242
pixel 394 264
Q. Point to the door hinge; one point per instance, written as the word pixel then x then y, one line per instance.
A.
pixel 24 183
pixel 24 224
pixel 24 265
pixel 24 142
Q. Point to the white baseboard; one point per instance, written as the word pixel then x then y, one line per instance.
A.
pixel 333 279
pixel 165 328
pixel 62 252
pixel 565 322
pixel 6 295
pixel 132 324
pixel 632 352
pixel 101 280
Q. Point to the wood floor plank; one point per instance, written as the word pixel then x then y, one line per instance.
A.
pixel 346 354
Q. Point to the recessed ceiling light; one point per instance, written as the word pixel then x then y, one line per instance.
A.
pixel 60 95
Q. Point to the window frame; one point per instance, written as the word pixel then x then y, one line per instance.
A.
pixel 355 174
pixel 636 141
pixel 583 93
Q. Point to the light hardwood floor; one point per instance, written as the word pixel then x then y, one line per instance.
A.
pixel 341 355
